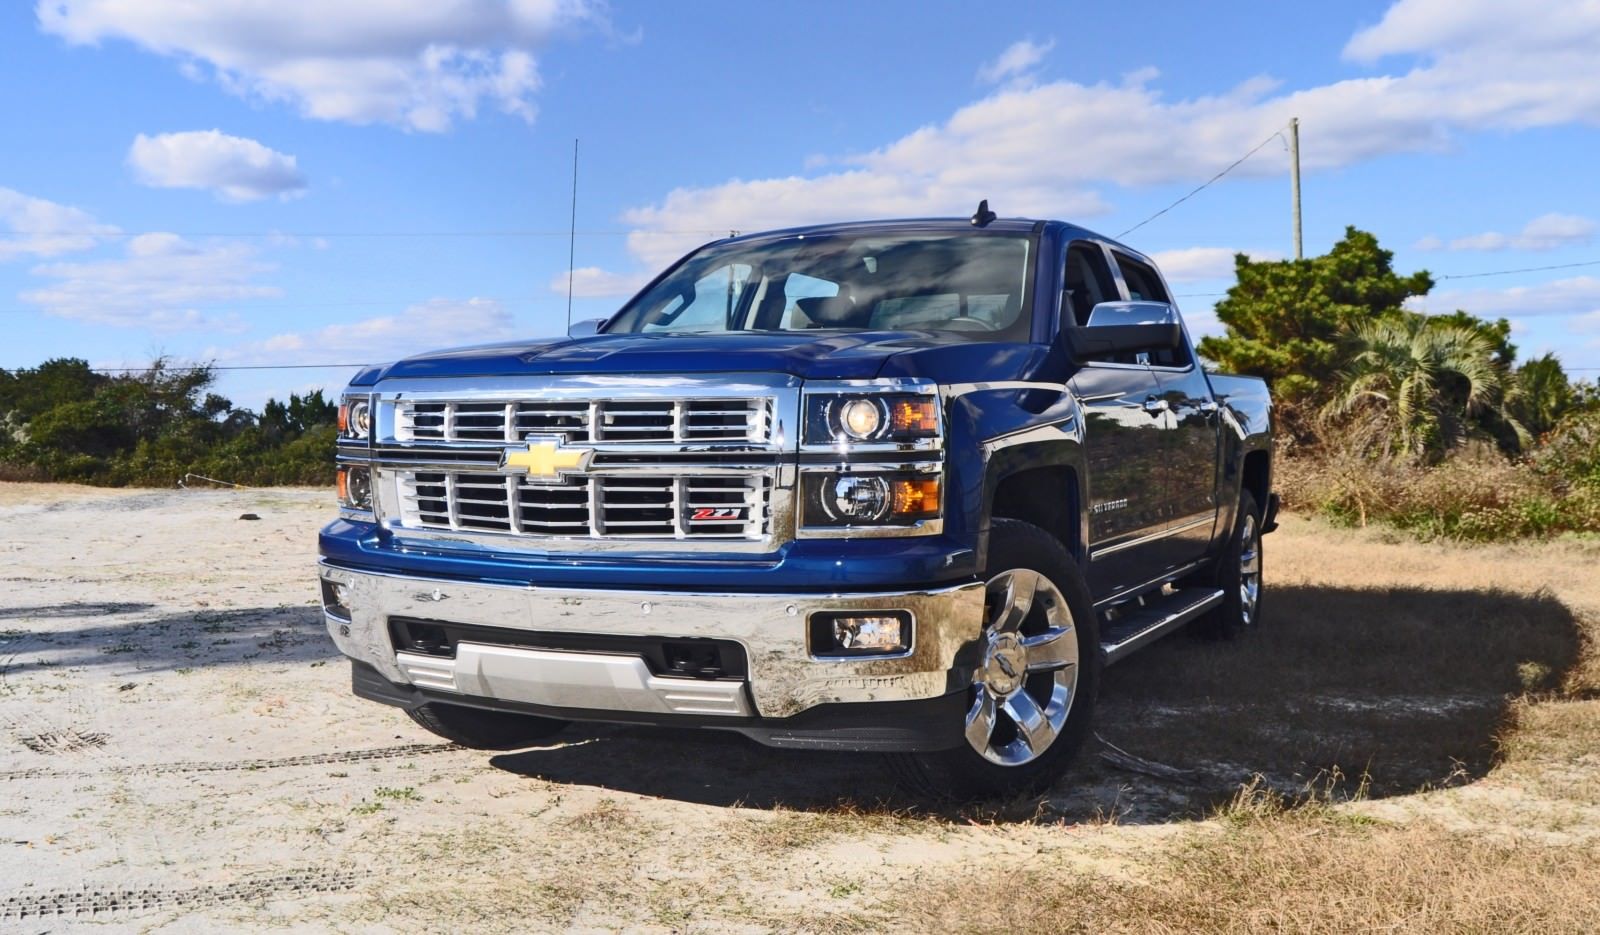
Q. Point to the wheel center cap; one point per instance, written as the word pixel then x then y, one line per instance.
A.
pixel 1005 663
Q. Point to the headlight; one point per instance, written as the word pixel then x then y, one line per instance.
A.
pixel 355 417
pixel 354 485
pixel 884 417
pixel 863 499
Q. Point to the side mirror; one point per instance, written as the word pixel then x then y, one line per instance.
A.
pixel 1125 328
pixel 582 329
pixel 1108 314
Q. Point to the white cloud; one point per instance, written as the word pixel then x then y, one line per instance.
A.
pixel 416 65
pixel 1200 264
pixel 41 228
pixel 1045 150
pixel 1426 26
pixel 1546 232
pixel 592 282
pixel 232 167
pixel 1577 295
pixel 1201 319
pixel 1016 62
pixel 381 338
pixel 660 236
pixel 1588 323
pixel 158 283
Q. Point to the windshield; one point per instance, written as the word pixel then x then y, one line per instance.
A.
pixel 969 282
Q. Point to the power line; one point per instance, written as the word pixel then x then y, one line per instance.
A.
pixel 311 235
pixel 1234 165
pixel 398 306
pixel 1525 269
pixel 195 369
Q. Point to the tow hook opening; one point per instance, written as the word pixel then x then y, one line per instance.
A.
pixel 423 638
pixel 695 659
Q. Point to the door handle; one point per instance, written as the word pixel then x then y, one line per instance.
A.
pixel 1156 404
pixel 1209 406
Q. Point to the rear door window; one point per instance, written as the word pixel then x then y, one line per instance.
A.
pixel 1143 283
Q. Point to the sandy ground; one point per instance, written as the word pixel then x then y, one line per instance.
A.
pixel 179 749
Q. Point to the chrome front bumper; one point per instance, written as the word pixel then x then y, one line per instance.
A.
pixel 784 678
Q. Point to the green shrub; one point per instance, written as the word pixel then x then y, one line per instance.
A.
pixel 65 422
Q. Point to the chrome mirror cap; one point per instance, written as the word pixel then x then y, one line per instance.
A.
pixel 1131 313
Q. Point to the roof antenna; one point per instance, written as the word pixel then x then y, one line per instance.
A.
pixel 983 215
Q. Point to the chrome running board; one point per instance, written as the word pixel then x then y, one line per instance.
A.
pixel 1145 625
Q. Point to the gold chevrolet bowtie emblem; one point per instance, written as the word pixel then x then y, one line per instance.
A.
pixel 547 458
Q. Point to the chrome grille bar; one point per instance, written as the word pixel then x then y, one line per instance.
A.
pixel 673 421
pixel 614 506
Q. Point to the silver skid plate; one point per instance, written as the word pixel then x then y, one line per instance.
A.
pixel 593 681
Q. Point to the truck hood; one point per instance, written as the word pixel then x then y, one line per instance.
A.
pixel 815 355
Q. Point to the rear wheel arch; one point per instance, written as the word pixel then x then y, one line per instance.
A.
pixel 1256 475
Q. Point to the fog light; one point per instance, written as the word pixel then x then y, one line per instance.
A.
pixel 336 599
pixel 860 633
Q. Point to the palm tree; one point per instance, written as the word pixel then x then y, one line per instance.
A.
pixel 1430 380
pixel 1545 394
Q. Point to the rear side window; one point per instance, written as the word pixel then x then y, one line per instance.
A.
pixel 1143 283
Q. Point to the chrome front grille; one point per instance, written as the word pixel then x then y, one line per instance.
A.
pixel 635 505
pixel 587 421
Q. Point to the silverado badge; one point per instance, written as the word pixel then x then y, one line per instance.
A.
pixel 546 459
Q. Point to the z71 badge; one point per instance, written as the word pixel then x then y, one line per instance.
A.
pixel 717 514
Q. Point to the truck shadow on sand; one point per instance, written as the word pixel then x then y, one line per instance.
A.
pixel 128 638
pixel 1396 689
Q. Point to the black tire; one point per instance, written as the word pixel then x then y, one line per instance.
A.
pixel 479 729
pixel 963 773
pixel 1235 615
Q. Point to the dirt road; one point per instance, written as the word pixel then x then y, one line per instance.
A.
pixel 179 749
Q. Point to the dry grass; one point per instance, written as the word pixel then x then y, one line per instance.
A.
pixel 1293 871
pixel 1476 494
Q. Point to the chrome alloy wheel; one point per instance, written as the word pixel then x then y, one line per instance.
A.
pixel 1249 569
pixel 1027 677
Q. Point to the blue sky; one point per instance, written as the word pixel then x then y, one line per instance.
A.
pixel 297 182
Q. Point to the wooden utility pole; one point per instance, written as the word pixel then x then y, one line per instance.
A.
pixel 1294 180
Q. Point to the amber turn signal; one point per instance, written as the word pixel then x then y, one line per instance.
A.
pixel 914 416
pixel 916 496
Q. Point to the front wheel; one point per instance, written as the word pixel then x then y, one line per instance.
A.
pixel 1035 678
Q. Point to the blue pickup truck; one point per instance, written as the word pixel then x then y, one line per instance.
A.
pixel 898 486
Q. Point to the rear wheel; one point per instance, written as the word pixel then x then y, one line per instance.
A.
pixel 1238 575
pixel 484 730
pixel 1035 678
